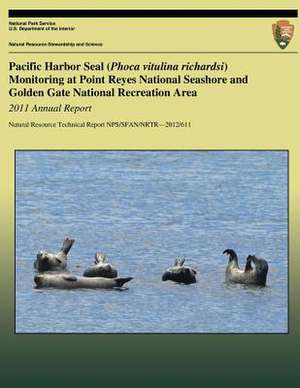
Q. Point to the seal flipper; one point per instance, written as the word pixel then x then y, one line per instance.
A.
pixel 248 265
pixel 67 245
pixel 121 281
pixel 230 252
pixel 70 278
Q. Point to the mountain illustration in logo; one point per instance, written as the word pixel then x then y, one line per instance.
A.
pixel 283 32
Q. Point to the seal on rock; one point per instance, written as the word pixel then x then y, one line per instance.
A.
pixel 101 268
pixel 66 281
pixel 54 261
pixel 180 273
pixel 255 272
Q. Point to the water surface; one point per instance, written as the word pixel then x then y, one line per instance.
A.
pixel 143 209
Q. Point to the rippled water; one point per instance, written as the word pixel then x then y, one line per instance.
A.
pixel 143 209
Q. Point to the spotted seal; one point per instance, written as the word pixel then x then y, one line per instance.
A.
pixel 255 272
pixel 68 281
pixel 54 261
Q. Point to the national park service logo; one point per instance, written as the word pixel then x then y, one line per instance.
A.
pixel 283 32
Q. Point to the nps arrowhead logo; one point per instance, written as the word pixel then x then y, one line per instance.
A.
pixel 283 32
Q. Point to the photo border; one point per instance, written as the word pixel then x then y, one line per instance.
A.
pixel 287 151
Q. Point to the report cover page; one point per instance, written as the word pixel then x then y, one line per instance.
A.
pixel 149 192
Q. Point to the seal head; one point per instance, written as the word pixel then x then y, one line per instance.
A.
pixel 258 268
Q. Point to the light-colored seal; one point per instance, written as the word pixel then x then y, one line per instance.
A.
pixel 66 281
pixel 180 273
pixel 255 272
pixel 54 261
pixel 101 268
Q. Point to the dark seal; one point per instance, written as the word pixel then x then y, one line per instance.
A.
pixel 180 273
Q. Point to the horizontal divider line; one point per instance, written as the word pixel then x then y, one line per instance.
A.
pixel 153 52
pixel 153 13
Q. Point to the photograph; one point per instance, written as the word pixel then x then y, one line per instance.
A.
pixel 151 241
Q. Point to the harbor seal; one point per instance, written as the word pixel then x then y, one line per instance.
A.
pixel 180 273
pixel 68 281
pixel 101 268
pixel 54 261
pixel 255 272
